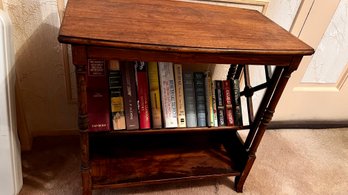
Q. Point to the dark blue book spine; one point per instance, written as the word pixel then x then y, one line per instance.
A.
pixel 200 99
pixel 190 100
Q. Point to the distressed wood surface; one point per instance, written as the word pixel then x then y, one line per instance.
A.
pixel 166 25
pixel 147 159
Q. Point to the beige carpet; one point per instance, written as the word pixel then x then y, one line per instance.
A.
pixel 288 162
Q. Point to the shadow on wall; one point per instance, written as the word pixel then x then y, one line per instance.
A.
pixel 40 73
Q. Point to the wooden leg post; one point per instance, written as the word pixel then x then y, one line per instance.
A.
pixel 268 106
pixel 83 126
pixel 240 180
pixel 85 167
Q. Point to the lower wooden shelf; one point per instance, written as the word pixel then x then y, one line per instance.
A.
pixel 174 130
pixel 122 161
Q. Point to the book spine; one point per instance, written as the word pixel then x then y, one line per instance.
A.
pixel 167 83
pixel 116 97
pixel 190 100
pixel 220 103
pixel 237 107
pixel 209 99
pixel 214 104
pixel 143 95
pixel 98 96
pixel 200 99
pixel 130 96
pixel 179 90
pixel 155 96
pixel 228 102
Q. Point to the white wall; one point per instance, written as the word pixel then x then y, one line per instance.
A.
pixel 10 166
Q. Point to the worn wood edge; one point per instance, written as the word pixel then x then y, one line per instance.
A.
pixel 163 181
pixel 74 132
pixel 185 58
pixel 173 130
pixel 308 124
pixel 174 48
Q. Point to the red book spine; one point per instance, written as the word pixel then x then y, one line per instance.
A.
pixel 228 102
pixel 143 95
pixel 98 96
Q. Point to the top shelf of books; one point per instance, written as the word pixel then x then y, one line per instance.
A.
pixel 175 26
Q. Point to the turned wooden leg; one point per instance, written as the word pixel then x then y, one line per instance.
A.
pixel 86 182
pixel 85 168
pixel 81 76
pixel 240 180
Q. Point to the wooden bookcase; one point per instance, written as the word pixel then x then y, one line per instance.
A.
pixel 180 32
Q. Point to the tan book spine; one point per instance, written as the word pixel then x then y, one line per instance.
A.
pixel 209 99
pixel 179 89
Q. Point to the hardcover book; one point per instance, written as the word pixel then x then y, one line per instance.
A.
pixel 115 85
pixel 209 99
pixel 168 97
pixel 155 96
pixel 228 102
pixel 190 100
pixel 129 94
pixel 98 96
pixel 179 89
pixel 198 80
pixel 216 123
pixel 220 103
pixel 143 94
pixel 237 107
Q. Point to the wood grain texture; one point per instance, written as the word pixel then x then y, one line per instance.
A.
pixel 175 130
pixel 166 25
pixel 186 57
pixel 162 158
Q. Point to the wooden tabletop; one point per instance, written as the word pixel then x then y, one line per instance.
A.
pixel 167 25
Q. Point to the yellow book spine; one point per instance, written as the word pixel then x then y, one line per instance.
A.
pixel 155 96
pixel 118 119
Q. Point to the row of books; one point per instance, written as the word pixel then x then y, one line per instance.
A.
pixel 144 95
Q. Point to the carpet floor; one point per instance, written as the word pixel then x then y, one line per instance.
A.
pixel 288 162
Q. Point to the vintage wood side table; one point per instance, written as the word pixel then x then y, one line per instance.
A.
pixel 179 32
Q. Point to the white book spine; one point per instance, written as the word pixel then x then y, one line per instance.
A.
pixel 167 84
